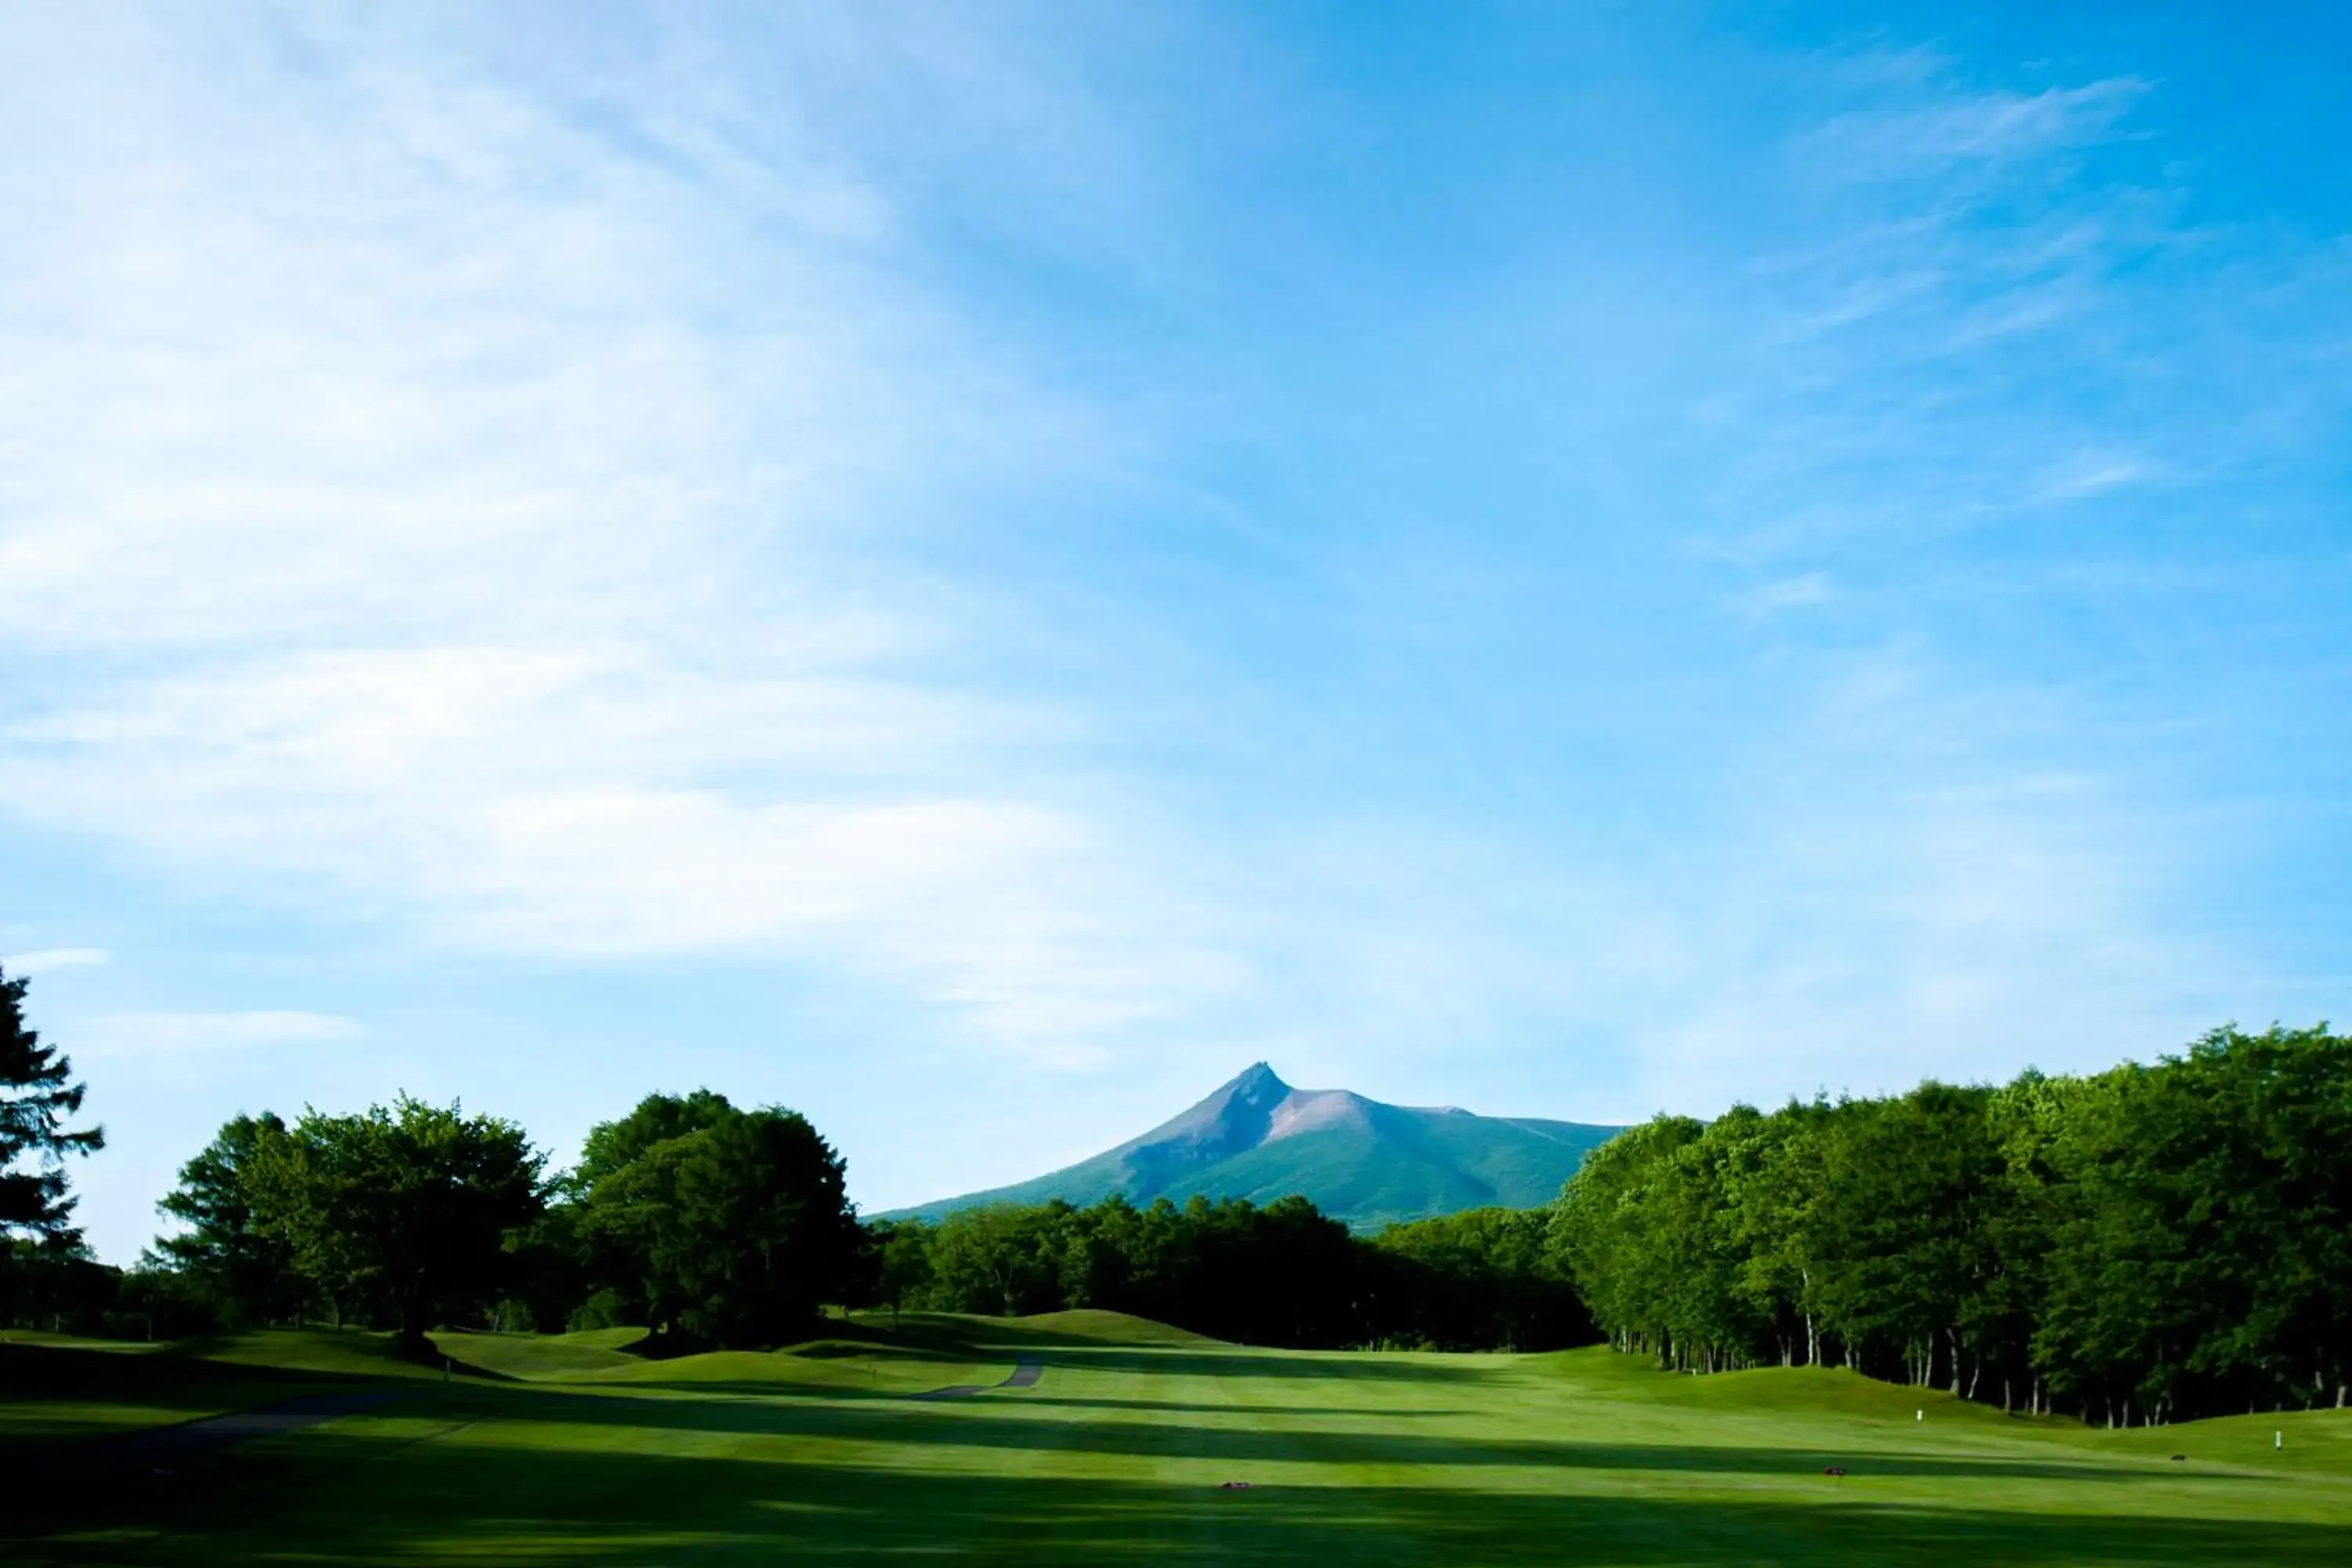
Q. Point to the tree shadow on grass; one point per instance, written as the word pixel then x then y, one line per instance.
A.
pixel 353 1499
pixel 1271 1364
pixel 980 1341
pixel 182 1386
pixel 1012 1420
pixel 1418 1413
pixel 1266 1366
pixel 1007 1420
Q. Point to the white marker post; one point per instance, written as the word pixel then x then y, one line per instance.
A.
pixel 1919 1415
pixel 2278 1440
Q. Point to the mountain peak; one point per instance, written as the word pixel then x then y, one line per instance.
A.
pixel 1362 1162
pixel 1256 1079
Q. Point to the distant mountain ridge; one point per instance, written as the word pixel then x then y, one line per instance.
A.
pixel 1358 1160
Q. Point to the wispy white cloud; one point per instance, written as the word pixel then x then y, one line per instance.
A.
pixel 117 1036
pixel 464 511
pixel 1912 139
pixel 1930 348
pixel 49 960
pixel 2093 473
pixel 1807 590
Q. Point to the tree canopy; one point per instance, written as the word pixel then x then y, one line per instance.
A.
pixel 241 1273
pixel 1280 1274
pixel 403 1209
pixel 2142 1243
pixel 733 1226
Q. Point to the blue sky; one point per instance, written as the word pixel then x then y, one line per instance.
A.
pixel 973 573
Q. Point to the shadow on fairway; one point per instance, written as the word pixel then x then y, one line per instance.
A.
pixel 1092 1356
pixel 1015 1420
pixel 1287 1408
pixel 576 1475
pixel 1286 1365
pixel 158 1381
pixel 338 1505
pixel 855 1393
pixel 1012 1420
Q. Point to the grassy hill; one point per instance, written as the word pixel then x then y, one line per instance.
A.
pixel 567 1449
pixel 1360 1160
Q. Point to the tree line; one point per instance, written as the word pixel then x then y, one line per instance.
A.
pixel 2134 1247
pixel 705 1222
pixel 1279 1274
pixel 2144 1244
pixel 711 1225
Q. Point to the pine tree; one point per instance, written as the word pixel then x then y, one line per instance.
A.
pixel 36 1098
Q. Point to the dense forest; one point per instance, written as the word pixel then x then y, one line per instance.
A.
pixel 2145 1245
pixel 711 1225
pixel 1283 1274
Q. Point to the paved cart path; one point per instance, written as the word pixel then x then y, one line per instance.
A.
pixel 165 1445
pixel 1025 1374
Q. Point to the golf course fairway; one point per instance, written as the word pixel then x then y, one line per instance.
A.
pixel 1121 1449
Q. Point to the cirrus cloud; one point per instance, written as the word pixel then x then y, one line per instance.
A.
pixel 150 1035
pixel 50 960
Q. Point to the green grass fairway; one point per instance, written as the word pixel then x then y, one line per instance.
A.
pixel 574 1450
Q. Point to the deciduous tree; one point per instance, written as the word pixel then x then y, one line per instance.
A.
pixel 402 1209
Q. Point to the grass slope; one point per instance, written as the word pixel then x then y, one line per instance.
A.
pixel 576 1452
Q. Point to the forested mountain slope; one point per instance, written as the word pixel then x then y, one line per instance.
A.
pixel 1358 1160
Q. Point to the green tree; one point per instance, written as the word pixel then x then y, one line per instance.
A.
pixel 243 1273
pixel 1774 1185
pixel 1482 1280
pixel 402 1210
pixel 613 1146
pixel 1908 1189
pixel 730 1224
pixel 2202 1248
pixel 1613 1233
pixel 549 1278
pixel 994 1260
pixel 37 1097
pixel 2144 1243
pixel 764 1234
pixel 901 1270
pixel 624 1189
pixel 53 1282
